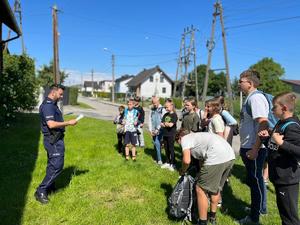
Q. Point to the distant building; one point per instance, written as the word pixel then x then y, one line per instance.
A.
pixel 121 83
pixel 295 85
pixel 90 86
pixel 151 82
pixel 105 85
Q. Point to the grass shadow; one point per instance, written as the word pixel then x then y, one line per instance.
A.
pixel 239 172
pixel 66 176
pixel 19 150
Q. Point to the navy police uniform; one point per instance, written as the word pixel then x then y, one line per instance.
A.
pixel 55 147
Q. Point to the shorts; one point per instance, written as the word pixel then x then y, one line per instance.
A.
pixel 130 138
pixel 211 178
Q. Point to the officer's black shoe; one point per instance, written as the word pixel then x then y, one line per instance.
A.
pixel 41 197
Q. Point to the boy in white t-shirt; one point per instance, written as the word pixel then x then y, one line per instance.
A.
pixel 217 157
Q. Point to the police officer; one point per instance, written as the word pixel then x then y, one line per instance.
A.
pixel 53 128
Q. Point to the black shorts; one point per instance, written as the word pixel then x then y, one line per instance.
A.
pixel 130 138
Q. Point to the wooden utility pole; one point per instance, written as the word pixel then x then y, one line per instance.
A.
pixel 191 49
pixel 1 49
pixel 179 66
pixel 55 46
pixel 92 73
pixel 195 66
pixel 210 46
pixel 113 78
pixel 229 90
pixel 185 66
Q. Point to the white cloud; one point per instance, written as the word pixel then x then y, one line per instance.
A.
pixel 78 77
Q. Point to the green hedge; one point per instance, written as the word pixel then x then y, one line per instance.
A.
pixel 73 94
pixel 177 103
pixel 103 94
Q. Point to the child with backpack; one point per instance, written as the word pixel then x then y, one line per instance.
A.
pixel 120 128
pixel 168 124
pixel 284 157
pixel 130 122
pixel 217 157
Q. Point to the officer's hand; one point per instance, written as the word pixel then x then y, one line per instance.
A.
pixel 72 122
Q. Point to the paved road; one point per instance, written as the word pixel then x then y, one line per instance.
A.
pixel 107 111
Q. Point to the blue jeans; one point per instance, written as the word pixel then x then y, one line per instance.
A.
pixel 256 182
pixel 157 146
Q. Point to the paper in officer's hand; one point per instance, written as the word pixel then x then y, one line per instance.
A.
pixel 79 117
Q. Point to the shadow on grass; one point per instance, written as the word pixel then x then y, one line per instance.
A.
pixel 232 206
pixel 66 176
pixel 19 150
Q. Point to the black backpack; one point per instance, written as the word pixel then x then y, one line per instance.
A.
pixel 182 198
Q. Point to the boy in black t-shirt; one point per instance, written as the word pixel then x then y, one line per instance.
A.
pixel 284 157
pixel 168 125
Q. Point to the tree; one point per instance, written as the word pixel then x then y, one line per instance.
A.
pixel 216 82
pixel 270 74
pixel 18 86
pixel 45 75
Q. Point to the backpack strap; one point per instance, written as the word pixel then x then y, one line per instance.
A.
pixel 248 107
pixel 282 129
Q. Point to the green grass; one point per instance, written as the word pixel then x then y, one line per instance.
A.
pixel 97 185
pixel 84 105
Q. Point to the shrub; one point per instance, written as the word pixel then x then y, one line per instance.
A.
pixel 177 103
pixel 18 86
pixel 73 94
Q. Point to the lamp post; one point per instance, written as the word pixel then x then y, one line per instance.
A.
pixel 112 74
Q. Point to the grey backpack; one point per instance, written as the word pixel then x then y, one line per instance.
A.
pixel 182 198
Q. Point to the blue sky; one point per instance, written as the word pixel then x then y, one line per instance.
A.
pixel 143 34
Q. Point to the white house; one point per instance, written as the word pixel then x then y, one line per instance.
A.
pixel 151 82
pixel 121 83
pixel 105 85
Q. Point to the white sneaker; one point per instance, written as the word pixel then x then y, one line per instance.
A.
pixel 171 167
pixel 165 166
pixel 160 163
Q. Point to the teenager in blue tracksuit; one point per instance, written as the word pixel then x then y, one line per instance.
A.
pixel 284 157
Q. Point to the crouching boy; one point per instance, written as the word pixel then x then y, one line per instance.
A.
pixel 217 159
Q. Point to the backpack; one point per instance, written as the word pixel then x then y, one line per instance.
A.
pixel 181 200
pixel 272 120
pixel 229 120
pixel 282 129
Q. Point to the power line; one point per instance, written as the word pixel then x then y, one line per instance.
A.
pixel 147 55
pixel 148 64
pixel 263 22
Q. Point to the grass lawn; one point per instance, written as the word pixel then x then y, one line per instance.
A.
pixel 84 105
pixel 97 185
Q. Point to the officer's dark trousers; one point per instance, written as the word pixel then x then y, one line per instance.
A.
pixel 287 203
pixel 55 164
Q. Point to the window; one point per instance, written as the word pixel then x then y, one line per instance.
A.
pixel 164 90
pixel 161 79
pixel 151 79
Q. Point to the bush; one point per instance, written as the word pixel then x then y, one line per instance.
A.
pixel 73 94
pixel 120 95
pixel 103 94
pixel 86 94
pixel 18 86
pixel 177 103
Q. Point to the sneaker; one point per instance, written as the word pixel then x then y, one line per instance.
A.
pixel 212 221
pixel 165 165
pixel 171 167
pixel 160 163
pixel 247 220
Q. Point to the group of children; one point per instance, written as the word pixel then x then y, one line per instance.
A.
pixel 283 141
